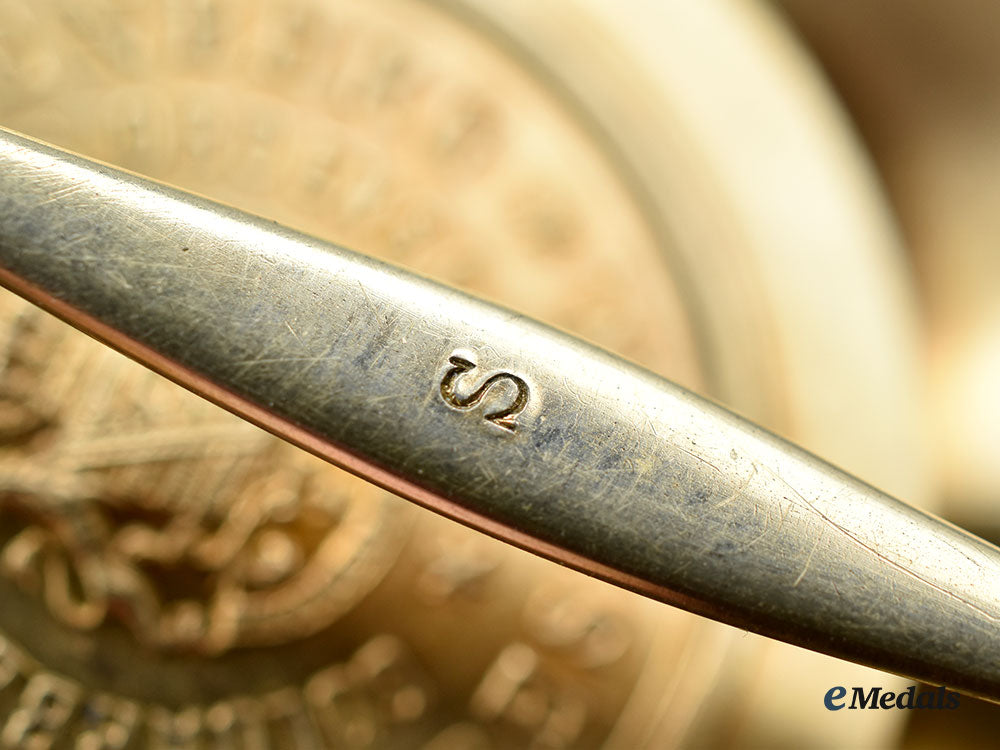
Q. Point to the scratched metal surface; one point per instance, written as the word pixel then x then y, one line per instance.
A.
pixel 474 142
pixel 570 451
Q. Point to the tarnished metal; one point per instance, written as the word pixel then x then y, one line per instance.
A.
pixel 499 422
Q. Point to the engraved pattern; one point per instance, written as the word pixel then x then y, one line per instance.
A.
pixel 375 698
pixel 123 519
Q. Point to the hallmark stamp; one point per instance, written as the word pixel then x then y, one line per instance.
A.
pixel 503 417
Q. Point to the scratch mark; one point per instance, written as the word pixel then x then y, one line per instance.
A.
pixel 697 457
pixel 368 299
pixel 738 491
pixel 292 331
pixel 63 192
pixel 888 561
pixel 761 535
pixel 276 360
pixel 808 561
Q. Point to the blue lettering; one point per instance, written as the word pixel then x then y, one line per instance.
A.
pixel 834 694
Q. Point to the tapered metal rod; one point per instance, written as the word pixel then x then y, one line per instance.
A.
pixel 500 422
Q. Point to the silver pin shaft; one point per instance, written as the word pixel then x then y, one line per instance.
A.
pixel 500 422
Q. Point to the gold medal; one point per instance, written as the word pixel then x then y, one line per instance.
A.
pixel 177 578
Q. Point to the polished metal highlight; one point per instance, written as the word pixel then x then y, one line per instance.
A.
pixel 499 422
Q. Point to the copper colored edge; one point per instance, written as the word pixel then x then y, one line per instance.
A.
pixel 338 455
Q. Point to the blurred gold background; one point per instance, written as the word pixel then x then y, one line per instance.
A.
pixel 784 206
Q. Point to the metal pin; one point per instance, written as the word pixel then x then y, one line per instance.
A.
pixel 500 422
